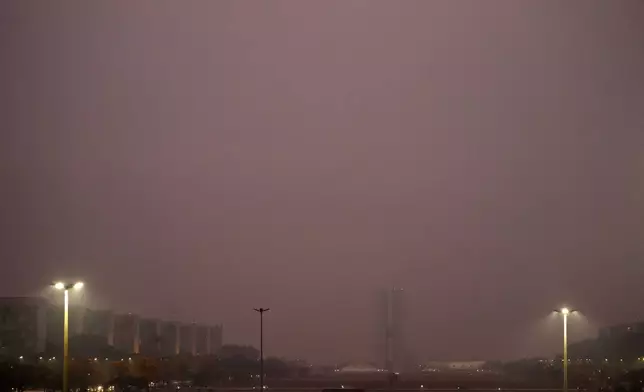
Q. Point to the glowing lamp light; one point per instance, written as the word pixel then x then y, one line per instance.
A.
pixel 64 286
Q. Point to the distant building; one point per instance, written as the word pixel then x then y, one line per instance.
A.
pixel 453 366
pixel 202 337
pixel 23 325
pixel 99 323
pixel 216 339
pixel 77 315
pixel 359 368
pixel 616 331
pixel 126 333
pixel 170 338
pixel 391 348
pixel 621 344
pixel 150 337
pixel 234 350
pixel 35 326
pixel 55 321
pixel 187 334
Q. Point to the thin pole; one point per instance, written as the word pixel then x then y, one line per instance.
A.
pixel 261 346
pixel 261 351
pixel 565 352
pixel 66 342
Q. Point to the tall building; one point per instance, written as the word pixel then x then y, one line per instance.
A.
pixel 126 333
pixel 615 331
pixel 99 323
pixel 54 324
pixel 150 337
pixel 23 325
pixel 187 333
pixel 623 344
pixel 170 338
pixel 202 337
pixel 35 326
pixel 391 348
pixel 215 339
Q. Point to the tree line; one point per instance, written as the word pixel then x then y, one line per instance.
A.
pixel 232 366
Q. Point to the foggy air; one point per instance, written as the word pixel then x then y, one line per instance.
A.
pixel 411 187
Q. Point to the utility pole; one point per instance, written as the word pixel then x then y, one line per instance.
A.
pixel 261 312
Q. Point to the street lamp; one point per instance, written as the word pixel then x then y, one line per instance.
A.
pixel 565 312
pixel 66 287
pixel 261 312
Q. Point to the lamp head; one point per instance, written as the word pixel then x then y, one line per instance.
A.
pixel 67 286
pixel 566 311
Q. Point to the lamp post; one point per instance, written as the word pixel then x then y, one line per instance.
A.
pixel 261 312
pixel 66 287
pixel 565 312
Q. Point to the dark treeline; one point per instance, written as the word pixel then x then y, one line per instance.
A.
pixel 233 366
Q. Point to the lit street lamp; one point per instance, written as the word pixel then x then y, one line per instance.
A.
pixel 565 312
pixel 261 312
pixel 66 287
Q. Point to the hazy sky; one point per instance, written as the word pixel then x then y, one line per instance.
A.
pixel 197 159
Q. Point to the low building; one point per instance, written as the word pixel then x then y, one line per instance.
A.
pixel 453 366
pixel 359 368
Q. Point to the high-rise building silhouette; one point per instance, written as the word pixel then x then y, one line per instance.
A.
pixel 31 326
pixel 391 350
